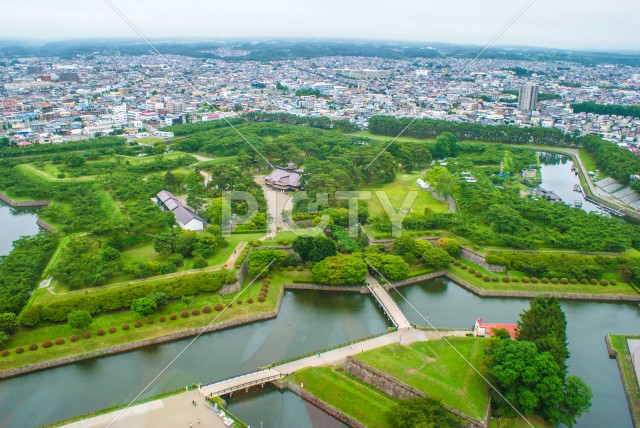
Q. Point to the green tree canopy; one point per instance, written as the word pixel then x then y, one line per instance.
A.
pixel 425 412
pixel 144 306
pixel 79 319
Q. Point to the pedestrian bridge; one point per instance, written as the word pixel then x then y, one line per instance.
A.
pixel 388 305
pixel 240 382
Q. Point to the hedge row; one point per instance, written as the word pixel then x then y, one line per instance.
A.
pixel 534 280
pixel 121 297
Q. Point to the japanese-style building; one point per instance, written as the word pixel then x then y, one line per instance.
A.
pixel 288 178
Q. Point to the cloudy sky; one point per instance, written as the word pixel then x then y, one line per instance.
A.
pixel 571 24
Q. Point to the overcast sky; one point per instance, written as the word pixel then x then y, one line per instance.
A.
pixel 571 24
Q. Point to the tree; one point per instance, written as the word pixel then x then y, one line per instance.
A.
pixel 79 319
pixel 446 146
pixel 159 297
pixel 503 219
pixel 303 246
pixel 144 306
pixel 404 245
pixel 424 412
pixel 545 324
pixel 443 181
pixel 187 300
pixel 436 257
pixel 392 267
pixel 451 246
pixel 577 400
pixel 9 322
pixel 340 270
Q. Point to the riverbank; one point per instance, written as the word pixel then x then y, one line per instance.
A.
pixel 618 349
pixel 23 204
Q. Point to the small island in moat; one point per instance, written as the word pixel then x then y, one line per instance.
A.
pixel 145 246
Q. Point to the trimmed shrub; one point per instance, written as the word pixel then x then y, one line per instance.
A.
pixel 486 278
pixel 47 344
pixel 250 300
pixel 229 305
pixel 613 282
pixel 593 281
pixel 137 324
pixel 218 307
pixel 495 279
pixel 125 327
pixel 33 347
pixel 256 243
pixel 207 309
pixel 604 282
pixel 534 280
pixel 112 330
pixel 506 279
pixel 544 280
pixel 573 281
pixel 74 338
pixel 457 263
pixel 4 353
pixel 472 270
pixel 86 335
pixel 195 312
pixel 464 267
pixel 266 281
pixel 584 281
pixel 264 289
pixel 173 317
pixel 289 268
pixel 59 341
pixel 515 279
pixel 19 350
pixel 163 319
pixel 299 268
pixel 555 280
pixel 185 314
pixel 478 274
pixel 261 299
pixel 238 302
pixel 149 321
pixel 526 279
pixel 100 332
pixel 564 281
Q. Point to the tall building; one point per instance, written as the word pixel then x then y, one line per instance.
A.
pixel 528 97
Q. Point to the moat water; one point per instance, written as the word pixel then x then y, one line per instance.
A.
pixel 15 223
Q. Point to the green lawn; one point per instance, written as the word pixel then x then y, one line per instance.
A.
pixel 535 420
pixel 354 398
pixel 397 192
pixel 24 337
pixel 435 368
pixel 587 160
pixel 368 134
pixel 619 343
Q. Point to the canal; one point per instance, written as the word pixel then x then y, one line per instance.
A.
pixel 558 177
pixel 15 223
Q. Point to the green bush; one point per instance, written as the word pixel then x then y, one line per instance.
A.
pixel 163 319
pixel 478 274
pixel 264 289
pixel 74 338
pixel 261 299
pixel 525 279
pixel 573 281
pixel 457 262
pixel 464 267
pixel 173 317
pixel 299 268
pixel 250 300
pixel 207 309
pixel 534 280
pixel 564 281
pixel 199 262
pixel 266 281
pixel 122 297
pixel 4 353
pixel 195 312
pixel 19 350
pixel 86 335
pixel 486 278
pixel 185 314
pixel 112 330
pixel 289 268
pixel 256 243
pixel 238 302
pixel 47 344
pixel 59 341
pixel 515 279
pixel 137 324
pixel 604 282
pixel 594 281
pixel 100 332
pixel 584 281
pixel 33 347
pixel 555 280
pixel 544 280
pixel 218 307
pixel 506 279
pixel 472 270
pixel 495 279
pixel 613 282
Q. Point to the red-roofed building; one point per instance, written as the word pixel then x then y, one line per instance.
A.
pixel 482 329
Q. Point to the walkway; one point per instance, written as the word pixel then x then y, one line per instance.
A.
pixel 329 358
pixel 174 411
pixel 389 305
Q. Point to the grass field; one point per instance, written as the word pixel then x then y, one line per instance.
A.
pixel 435 368
pixel 155 328
pixel 354 398
pixel 587 160
pixel 397 192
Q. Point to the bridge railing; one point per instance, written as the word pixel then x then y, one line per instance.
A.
pixel 384 308
pixel 233 378
pixel 246 384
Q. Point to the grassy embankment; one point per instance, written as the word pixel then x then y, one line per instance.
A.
pixel 150 328
pixel 619 344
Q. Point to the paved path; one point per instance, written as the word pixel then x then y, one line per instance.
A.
pixel 388 304
pixel 329 358
pixel 176 411
pixel 634 351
